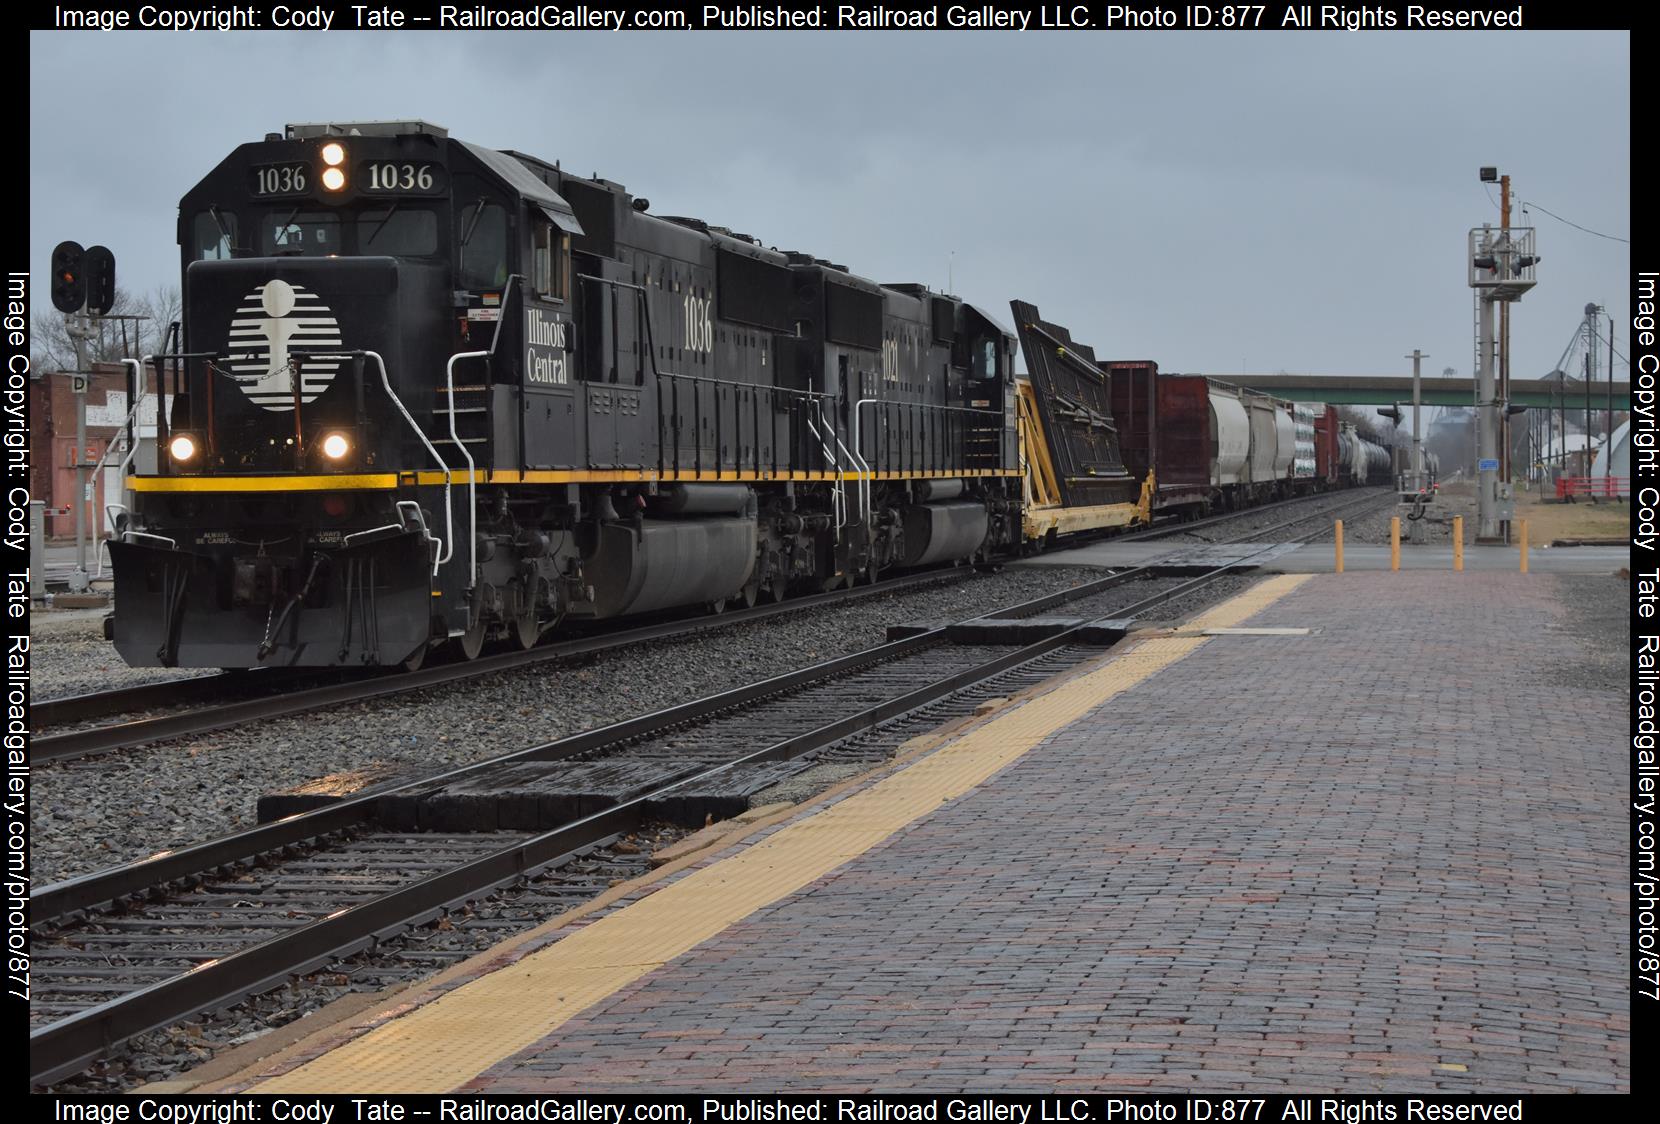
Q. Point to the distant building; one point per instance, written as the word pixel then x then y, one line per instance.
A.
pixel 52 437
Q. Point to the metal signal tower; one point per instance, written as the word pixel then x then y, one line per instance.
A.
pixel 1501 268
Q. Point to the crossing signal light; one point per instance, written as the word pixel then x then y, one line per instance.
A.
pixel 99 269
pixel 1526 260
pixel 68 278
pixel 1486 263
pixel 1393 413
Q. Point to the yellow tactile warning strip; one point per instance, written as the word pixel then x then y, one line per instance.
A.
pixel 462 1033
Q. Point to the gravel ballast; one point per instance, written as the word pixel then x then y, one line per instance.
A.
pixel 68 655
pixel 98 812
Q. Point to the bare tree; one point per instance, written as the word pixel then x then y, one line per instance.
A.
pixel 52 349
pixel 1367 424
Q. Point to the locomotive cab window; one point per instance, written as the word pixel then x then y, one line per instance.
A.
pixel 481 245
pixel 550 261
pixel 312 234
pixel 983 360
pixel 213 235
pixel 398 231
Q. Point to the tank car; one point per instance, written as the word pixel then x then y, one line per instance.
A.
pixel 425 391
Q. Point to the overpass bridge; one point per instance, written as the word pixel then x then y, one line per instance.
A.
pixel 1438 390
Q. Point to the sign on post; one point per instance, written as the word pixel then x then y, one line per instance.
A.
pixel 1487 464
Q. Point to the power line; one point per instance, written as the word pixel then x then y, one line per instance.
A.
pixel 1612 238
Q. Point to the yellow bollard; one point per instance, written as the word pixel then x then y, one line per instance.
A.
pixel 1340 546
pixel 1458 543
pixel 1524 546
pixel 1395 543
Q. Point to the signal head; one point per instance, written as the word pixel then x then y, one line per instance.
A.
pixel 68 278
pixel 99 266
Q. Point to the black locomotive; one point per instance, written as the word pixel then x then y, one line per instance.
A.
pixel 424 391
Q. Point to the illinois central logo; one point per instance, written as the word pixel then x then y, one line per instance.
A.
pixel 272 329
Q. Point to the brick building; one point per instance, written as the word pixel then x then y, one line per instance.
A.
pixel 52 442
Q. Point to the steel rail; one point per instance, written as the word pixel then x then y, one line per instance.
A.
pixel 122 735
pixel 68 1045
pixel 1182 528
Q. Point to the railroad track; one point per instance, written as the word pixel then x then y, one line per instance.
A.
pixel 274 695
pixel 1186 527
pixel 143 946
pixel 275 692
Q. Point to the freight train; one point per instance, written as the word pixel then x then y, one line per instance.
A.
pixel 1211 445
pixel 425 392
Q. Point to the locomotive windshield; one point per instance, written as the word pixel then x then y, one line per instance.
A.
pixel 291 231
pixel 214 236
pixel 397 230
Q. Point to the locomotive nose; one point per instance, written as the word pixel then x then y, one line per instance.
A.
pixel 300 342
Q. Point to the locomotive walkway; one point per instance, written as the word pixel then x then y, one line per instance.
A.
pixel 1393 864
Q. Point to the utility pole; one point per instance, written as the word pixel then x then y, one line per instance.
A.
pixel 1591 311
pixel 1501 265
pixel 1608 441
pixel 1506 477
pixel 1420 533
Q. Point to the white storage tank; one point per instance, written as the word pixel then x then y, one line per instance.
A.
pixel 1230 436
pixel 1620 470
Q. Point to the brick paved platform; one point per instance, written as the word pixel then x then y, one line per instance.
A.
pixel 1382 856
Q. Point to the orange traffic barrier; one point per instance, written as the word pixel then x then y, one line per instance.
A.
pixel 1340 546
pixel 1458 543
pixel 1395 543
pixel 1524 546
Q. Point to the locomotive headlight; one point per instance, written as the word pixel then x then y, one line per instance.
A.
pixel 182 448
pixel 336 446
pixel 333 179
pixel 334 154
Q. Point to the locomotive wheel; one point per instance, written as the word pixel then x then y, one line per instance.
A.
pixel 777 588
pixel 414 662
pixel 471 642
pixel 521 606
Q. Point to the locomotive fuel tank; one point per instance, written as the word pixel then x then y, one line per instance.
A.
pixel 935 532
pixel 661 563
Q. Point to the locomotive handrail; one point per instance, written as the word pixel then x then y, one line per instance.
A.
pixel 445 544
pixel 445 548
pixel 838 495
pixel 139 394
pixel 927 407
pixel 472 470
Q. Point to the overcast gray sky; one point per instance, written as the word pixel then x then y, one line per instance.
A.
pixel 1217 202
